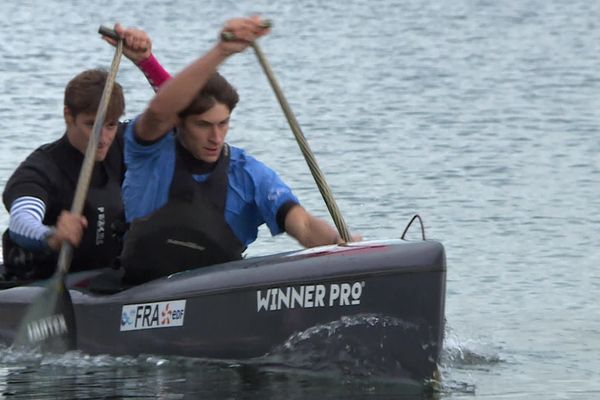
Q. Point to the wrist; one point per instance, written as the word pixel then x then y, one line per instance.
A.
pixel 146 62
pixel 222 51
pixel 50 239
pixel 154 72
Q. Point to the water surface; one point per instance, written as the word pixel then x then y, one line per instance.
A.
pixel 481 116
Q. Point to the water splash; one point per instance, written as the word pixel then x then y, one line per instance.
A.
pixel 336 328
pixel 466 352
pixel 351 348
pixel 460 357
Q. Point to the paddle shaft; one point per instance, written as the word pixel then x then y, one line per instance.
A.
pixel 83 183
pixel 304 147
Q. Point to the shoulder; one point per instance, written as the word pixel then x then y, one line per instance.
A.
pixel 119 141
pixel 236 154
pixel 248 170
pixel 46 151
pixel 253 173
pixel 130 137
pixel 43 159
pixel 240 159
pixel 35 176
pixel 134 148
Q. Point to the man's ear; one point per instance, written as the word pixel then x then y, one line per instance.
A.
pixel 69 119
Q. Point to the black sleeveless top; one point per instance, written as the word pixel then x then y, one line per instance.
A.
pixel 51 173
pixel 189 231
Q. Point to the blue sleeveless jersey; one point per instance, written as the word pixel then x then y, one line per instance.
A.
pixel 255 192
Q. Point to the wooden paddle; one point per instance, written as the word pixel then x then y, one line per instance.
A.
pixel 318 176
pixel 50 319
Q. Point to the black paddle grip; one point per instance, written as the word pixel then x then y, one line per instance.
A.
pixel 107 31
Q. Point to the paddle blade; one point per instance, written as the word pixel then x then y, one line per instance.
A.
pixel 49 323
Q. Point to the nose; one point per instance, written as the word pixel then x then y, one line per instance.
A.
pixel 106 135
pixel 216 134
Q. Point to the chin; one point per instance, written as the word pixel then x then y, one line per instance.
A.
pixel 209 160
pixel 205 157
pixel 100 157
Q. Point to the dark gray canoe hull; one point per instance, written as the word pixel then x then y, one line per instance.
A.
pixel 389 294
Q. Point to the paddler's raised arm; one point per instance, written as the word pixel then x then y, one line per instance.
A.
pixel 177 93
pixel 138 48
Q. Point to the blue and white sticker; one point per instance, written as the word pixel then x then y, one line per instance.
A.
pixel 166 314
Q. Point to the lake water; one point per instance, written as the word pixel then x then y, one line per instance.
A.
pixel 481 116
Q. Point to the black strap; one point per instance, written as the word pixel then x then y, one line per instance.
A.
pixel 184 186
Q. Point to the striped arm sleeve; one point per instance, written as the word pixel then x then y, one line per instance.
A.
pixel 25 226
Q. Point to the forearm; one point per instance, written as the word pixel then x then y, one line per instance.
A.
pixel 176 94
pixel 320 233
pixel 154 72
pixel 308 230
pixel 26 228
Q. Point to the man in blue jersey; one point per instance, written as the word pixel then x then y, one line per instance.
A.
pixel 193 200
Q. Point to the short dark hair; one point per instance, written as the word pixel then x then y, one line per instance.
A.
pixel 84 91
pixel 216 90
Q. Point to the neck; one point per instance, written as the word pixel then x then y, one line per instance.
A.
pixel 195 165
pixel 73 143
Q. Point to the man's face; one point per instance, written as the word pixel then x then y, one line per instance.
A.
pixel 79 131
pixel 203 135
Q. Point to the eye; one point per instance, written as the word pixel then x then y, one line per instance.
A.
pixel 202 124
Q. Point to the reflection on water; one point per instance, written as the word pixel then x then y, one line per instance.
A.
pixel 75 376
pixel 318 362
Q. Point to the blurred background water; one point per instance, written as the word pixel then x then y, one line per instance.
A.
pixel 481 116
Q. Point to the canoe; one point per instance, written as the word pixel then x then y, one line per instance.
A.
pixel 384 300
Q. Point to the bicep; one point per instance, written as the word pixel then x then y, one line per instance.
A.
pixel 150 127
pixel 139 150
